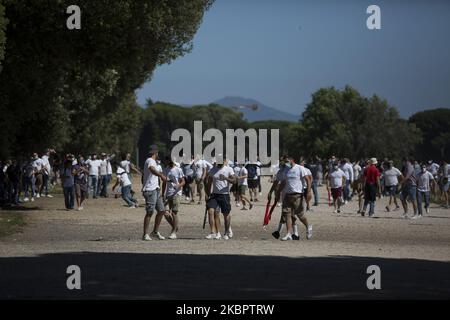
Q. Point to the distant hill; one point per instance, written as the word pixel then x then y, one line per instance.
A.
pixel 262 112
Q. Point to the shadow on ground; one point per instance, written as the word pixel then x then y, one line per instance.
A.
pixel 183 276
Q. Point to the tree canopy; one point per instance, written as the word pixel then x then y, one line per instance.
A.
pixel 59 86
pixel 435 128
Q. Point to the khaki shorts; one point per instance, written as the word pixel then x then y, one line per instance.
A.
pixel 199 184
pixel 173 203
pixel 293 205
pixel 242 190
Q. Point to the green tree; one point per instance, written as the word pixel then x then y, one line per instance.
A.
pixel 347 124
pixel 58 84
pixel 3 23
pixel 435 127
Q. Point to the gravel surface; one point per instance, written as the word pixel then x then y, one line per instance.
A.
pixel 105 241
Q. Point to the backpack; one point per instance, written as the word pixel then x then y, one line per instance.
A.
pixel 251 171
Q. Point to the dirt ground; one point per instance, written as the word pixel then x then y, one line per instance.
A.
pixel 105 241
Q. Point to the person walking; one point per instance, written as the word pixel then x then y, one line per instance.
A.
pixel 335 182
pixel 372 187
pixel 67 179
pixel 424 181
pixel 391 181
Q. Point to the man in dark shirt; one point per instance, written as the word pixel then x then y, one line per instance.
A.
pixel 372 187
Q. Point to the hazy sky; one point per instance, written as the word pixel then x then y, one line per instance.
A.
pixel 280 52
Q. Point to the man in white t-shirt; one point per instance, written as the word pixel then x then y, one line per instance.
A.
pixel 152 195
pixel 93 165
pixel 219 178
pixel 424 182
pixel 38 166
pixel 235 187
pixel 335 181
pixel 125 184
pixel 347 167
pixel 242 186
pixel 291 184
pixel 200 167
pixel 172 192
pixel 46 173
pixel 391 181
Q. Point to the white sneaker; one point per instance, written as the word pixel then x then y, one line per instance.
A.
pixel 309 232
pixel 287 237
pixel 210 236
pixel 335 211
pixel 278 204
pixel 237 204
pixel 405 216
pixel 158 235
pixel 230 233
pixel 427 210
pixel 132 207
pixel 49 196
pixel 172 236
pixel 146 237
pixel 38 196
pixel 417 216
pixel 187 198
pixel 226 237
pixel 32 199
pixel 218 236
pixel 26 199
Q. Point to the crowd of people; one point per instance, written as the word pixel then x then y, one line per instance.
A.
pixel 164 184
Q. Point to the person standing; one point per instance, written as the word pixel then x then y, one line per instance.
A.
pixel 242 183
pixel 409 187
pixel 252 180
pixel 391 181
pixel 29 185
pixel 444 177
pixel 80 183
pixel 46 174
pixel 67 179
pixel 235 186
pixel 424 181
pixel 189 179
pixel 93 165
pixel 219 178
pixel 335 182
pixel 372 187
pixel 314 167
pixel 38 173
pixel 200 169
pixel 152 195
pixel 172 192
pixel 347 168
pixel 292 188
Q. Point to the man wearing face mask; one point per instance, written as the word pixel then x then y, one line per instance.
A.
pixel 335 182
pixel 291 184
pixel 424 181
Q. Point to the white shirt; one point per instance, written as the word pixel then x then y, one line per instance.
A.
pixel 38 164
pixel 336 178
pixel 307 173
pixel 391 177
pixel 46 164
pixel 93 166
pixel 356 171
pixel 151 181
pixel 423 181
pixel 221 186
pixel 199 165
pixel 293 177
pixel 103 167
pixel 123 178
pixel 243 172
pixel 109 171
pixel 125 164
pixel 348 170
pixel 174 175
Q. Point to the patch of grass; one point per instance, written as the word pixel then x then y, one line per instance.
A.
pixel 11 222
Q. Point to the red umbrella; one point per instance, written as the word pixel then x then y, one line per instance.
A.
pixel 267 214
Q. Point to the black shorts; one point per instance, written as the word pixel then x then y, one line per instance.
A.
pixel 252 184
pixel 219 201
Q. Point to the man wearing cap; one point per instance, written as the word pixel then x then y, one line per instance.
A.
pixel 152 194
pixel 372 187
